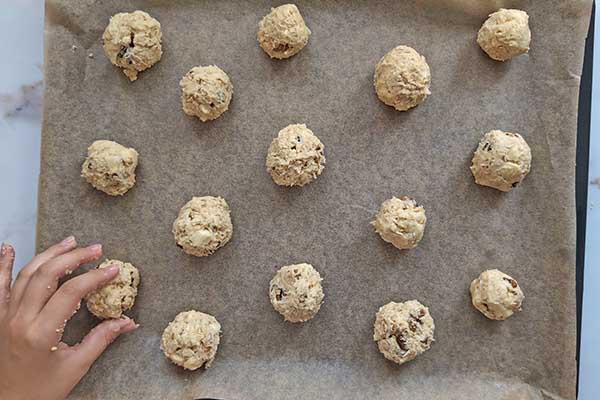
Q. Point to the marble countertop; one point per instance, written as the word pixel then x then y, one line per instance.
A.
pixel 21 91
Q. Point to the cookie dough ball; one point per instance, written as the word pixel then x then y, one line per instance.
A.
pixel 402 78
pixel 496 294
pixel 203 226
pixel 505 34
pixel 206 92
pixel 296 292
pixel 119 295
pixel 295 156
pixel 110 167
pixel 502 160
pixel 283 33
pixel 401 222
pixel 132 41
pixel 403 330
pixel 191 340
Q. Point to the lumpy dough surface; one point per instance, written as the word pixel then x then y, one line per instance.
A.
pixel 502 160
pixel 296 292
pixel 505 34
pixel 203 225
pixel 132 41
pixel 206 92
pixel 117 296
pixel 402 78
pixel 283 33
pixel 403 330
pixel 496 295
pixel 110 167
pixel 296 156
pixel 191 340
pixel 401 222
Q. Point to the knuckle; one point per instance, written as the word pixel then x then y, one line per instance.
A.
pixel 25 273
pixel 70 289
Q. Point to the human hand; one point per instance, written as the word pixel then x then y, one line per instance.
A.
pixel 34 363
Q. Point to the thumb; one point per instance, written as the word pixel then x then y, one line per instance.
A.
pixel 99 338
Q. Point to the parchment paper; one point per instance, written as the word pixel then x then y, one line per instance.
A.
pixel 373 153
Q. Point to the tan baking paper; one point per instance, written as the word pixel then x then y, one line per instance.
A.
pixel 373 153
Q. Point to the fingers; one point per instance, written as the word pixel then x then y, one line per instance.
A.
pixel 7 259
pixel 44 281
pixel 27 272
pixel 63 304
pixel 99 338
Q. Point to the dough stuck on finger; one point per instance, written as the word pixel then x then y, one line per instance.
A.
pixel 118 296
pixel 203 226
pixel 496 295
pixel 502 160
pixel 132 41
pixel 282 33
pixel 296 156
pixel 206 92
pixel 401 222
pixel 110 167
pixel 402 78
pixel 191 340
pixel 296 292
pixel 403 330
pixel 505 34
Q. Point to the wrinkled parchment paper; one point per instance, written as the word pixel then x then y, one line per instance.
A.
pixel 373 153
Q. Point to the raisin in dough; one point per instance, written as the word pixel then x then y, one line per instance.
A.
pixel 191 340
pixel 206 92
pixel 496 294
pixel 282 33
pixel 203 226
pixel 505 34
pixel 401 222
pixel 502 160
pixel 295 156
pixel 110 167
pixel 132 41
pixel 402 78
pixel 118 295
pixel 403 330
pixel 296 292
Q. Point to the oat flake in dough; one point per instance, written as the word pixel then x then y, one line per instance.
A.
pixel 496 295
pixel 282 33
pixel 296 292
pixel 502 160
pixel 401 222
pixel 191 340
pixel 110 167
pixel 402 78
pixel 118 295
pixel 403 330
pixel 296 156
pixel 206 92
pixel 203 225
pixel 132 41
pixel 505 34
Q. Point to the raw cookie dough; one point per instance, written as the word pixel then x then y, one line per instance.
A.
pixel 403 330
pixel 283 33
pixel 401 222
pixel 132 41
pixel 496 294
pixel 191 340
pixel 110 167
pixel 505 34
pixel 296 292
pixel 119 295
pixel 502 160
pixel 203 226
pixel 402 78
pixel 206 92
pixel 295 156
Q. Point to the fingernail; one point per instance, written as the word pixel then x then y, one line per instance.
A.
pixel 68 241
pixel 112 270
pixel 96 248
pixel 131 326
pixel 6 249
